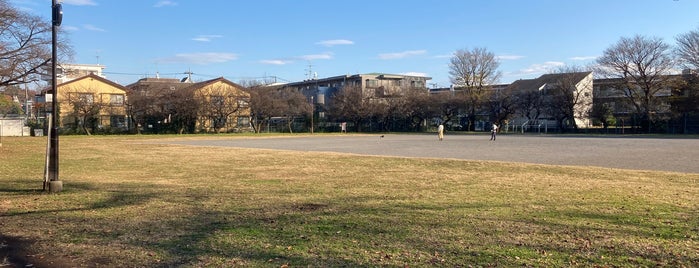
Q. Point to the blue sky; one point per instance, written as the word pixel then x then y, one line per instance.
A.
pixel 252 39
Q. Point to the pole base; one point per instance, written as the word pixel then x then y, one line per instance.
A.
pixel 55 186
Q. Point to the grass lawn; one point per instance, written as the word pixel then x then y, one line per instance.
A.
pixel 128 202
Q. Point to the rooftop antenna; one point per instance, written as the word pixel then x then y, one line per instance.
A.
pixel 189 75
pixel 309 71
pixel 97 55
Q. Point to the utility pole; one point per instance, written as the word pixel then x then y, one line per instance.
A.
pixel 55 185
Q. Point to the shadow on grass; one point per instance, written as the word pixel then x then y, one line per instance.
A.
pixel 359 231
pixel 589 238
pixel 349 232
pixel 21 186
pixel 362 231
pixel 21 251
pixel 270 236
pixel 115 199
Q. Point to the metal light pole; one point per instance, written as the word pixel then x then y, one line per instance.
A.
pixel 313 111
pixel 55 185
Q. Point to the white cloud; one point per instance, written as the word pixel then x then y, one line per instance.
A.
pixel 91 27
pixel 509 57
pixel 79 2
pixel 415 74
pixel 545 67
pixel 206 38
pixel 165 3
pixel 323 56
pixel 335 42
pixel 401 55
pixel 310 57
pixel 584 58
pixel 202 58
pixel 70 28
pixel 442 56
pixel 276 62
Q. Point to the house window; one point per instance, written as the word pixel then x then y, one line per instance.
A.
pixel 243 121
pixel 116 99
pixel 219 122
pixel 217 100
pixel 117 121
pixel 86 98
pixel 372 83
pixel 243 103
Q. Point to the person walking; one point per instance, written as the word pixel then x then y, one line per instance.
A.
pixel 440 132
pixel 493 131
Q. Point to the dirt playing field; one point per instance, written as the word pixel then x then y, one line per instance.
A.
pixel 664 154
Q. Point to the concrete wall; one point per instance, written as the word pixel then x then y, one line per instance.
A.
pixel 13 127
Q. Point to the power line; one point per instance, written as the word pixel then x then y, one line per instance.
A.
pixel 276 78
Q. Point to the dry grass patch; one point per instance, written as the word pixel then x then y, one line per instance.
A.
pixel 128 202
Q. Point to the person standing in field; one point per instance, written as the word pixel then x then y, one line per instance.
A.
pixel 493 131
pixel 440 132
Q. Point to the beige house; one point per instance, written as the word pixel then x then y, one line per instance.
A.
pixel 92 103
pixel 173 105
pixel 222 106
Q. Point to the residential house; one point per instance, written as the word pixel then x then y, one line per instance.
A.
pixel 91 103
pixel 165 104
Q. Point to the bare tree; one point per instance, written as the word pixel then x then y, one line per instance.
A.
pixel 84 104
pixel 410 110
pixel 25 45
pixel 642 64
pixel 529 104
pixel 474 71
pixel 267 102
pixel 687 49
pixel 163 109
pixel 350 104
pixel 569 97
pixel 264 104
pixel 219 103
pixel 502 106
pixel 293 104
pixel 181 111
pixel 685 100
pixel 603 113
pixel 445 105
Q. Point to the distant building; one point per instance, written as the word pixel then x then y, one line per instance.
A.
pixel 373 85
pixel 70 71
pixel 577 90
pixel 579 87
